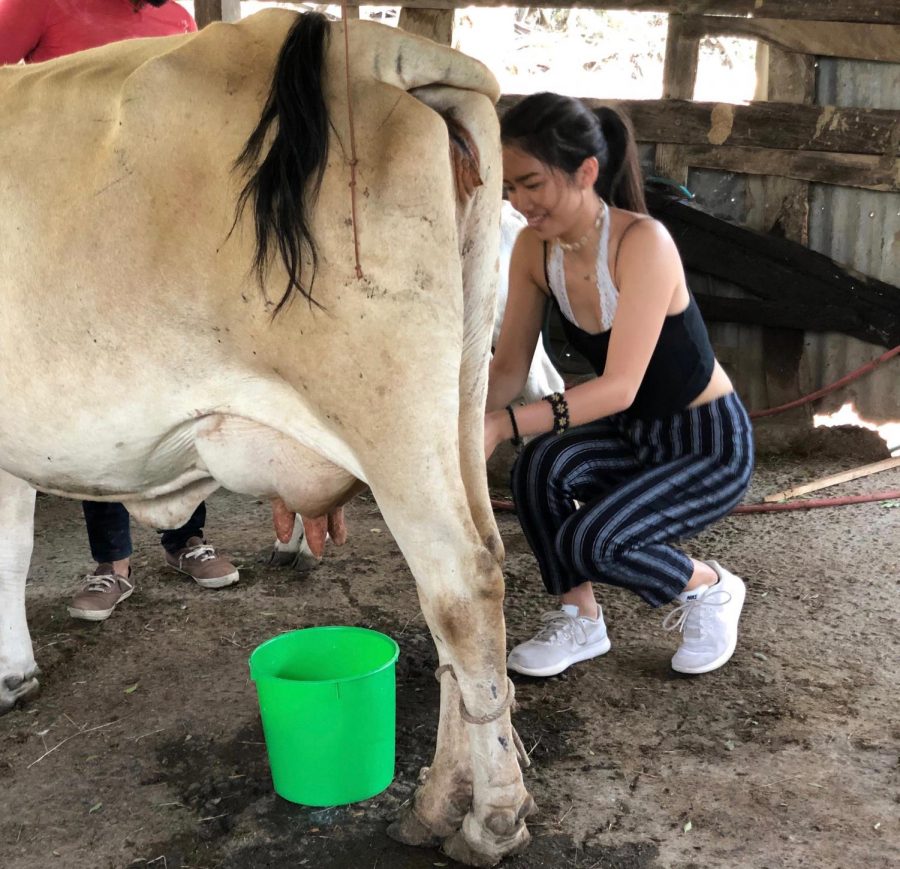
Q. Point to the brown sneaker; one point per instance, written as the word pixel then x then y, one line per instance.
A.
pixel 199 561
pixel 102 590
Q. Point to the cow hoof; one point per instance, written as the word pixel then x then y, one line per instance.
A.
pixel 13 689
pixel 300 561
pixel 409 830
pixel 458 848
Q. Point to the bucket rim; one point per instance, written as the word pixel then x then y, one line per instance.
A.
pixel 324 628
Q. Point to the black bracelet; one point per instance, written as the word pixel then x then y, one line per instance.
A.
pixel 516 438
pixel 560 411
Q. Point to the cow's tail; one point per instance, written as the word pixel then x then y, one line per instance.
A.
pixel 285 184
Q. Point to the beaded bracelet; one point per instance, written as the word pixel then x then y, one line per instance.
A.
pixel 560 411
pixel 516 438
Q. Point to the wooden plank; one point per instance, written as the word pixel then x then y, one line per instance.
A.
pixel 782 125
pixel 679 80
pixel 779 271
pixel 845 170
pixel 782 208
pixel 763 124
pixel 434 24
pixel 835 479
pixel 825 38
pixel 680 63
pixel 865 11
pixel 207 11
pixel 787 314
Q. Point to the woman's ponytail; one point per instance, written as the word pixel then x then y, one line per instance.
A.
pixel 620 182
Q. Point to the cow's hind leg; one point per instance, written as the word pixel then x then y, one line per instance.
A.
pixel 18 670
pixel 461 590
pixel 444 795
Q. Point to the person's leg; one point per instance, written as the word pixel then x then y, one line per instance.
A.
pixel 188 552
pixel 554 473
pixel 551 476
pixel 109 533
pixel 109 536
pixel 704 459
pixel 697 468
pixel 177 538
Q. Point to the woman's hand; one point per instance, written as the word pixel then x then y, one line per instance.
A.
pixel 496 430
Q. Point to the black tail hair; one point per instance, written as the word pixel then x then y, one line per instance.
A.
pixel 286 183
pixel 621 185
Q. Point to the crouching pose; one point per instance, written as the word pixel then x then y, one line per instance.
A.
pixel 655 448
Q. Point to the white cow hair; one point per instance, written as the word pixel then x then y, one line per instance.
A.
pixel 543 378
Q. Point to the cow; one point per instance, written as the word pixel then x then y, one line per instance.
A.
pixel 300 544
pixel 178 220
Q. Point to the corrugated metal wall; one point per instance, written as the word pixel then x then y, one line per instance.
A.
pixel 862 229
pixel 857 228
pixel 739 348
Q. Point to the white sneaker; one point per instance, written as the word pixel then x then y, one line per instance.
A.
pixel 565 639
pixel 708 619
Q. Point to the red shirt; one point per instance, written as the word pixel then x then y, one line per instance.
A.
pixel 35 30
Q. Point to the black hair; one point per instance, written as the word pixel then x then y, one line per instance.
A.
pixel 283 186
pixel 562 132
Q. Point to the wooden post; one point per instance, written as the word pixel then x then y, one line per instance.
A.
pixel 207 11
pixel 679 77
pixel 435 24
pixel 784 210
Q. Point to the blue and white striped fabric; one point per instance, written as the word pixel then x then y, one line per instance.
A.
pixel 640 485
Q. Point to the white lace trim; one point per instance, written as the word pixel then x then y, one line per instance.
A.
pixel 609 295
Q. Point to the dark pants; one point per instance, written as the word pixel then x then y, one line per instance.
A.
pixel 109 530
pixel 605 501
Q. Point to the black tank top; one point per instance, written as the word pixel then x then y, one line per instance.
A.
pixel 679 369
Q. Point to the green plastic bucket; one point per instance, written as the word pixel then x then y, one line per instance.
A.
pixel 327 698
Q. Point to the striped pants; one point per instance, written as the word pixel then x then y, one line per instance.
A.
pixel 639 484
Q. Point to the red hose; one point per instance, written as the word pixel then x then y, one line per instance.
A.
pixel 847 378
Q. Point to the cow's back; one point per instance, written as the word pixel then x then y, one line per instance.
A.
pixel 118 194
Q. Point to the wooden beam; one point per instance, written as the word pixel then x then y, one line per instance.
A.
pixel 763 124
pixel 865 11
pixel 829 39
pixel 781 206
pixel 679 79
pixel 778 270
pixel 844 170
pixel 783 314
pixel 207 11
pixel 680 63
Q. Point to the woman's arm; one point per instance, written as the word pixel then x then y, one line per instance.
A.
pixel 649 272
pixel 521 327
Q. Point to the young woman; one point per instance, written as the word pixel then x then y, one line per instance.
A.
pixel 657 446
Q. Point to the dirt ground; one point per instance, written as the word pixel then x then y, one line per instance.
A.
pixel 145 749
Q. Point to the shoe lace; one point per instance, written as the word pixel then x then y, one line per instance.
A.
pixel 559 623
pixel 699 609
pixel 202 552
pixel 101 583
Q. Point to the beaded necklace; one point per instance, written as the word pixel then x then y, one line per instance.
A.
pixel 574 246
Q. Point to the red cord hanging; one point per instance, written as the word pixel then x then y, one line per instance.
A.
pixel 353 160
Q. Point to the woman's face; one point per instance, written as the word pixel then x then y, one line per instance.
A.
pixel 549 199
